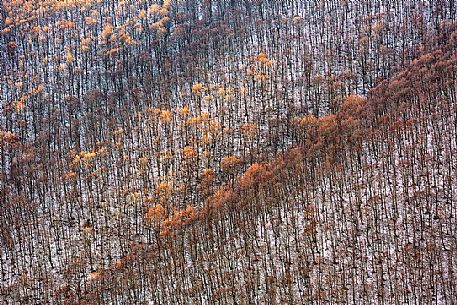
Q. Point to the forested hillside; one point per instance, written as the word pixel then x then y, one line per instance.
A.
pixel 228 152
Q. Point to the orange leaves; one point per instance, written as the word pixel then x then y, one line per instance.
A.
pixel 88 156
pixel 309 212
pixel 36 90
pixel 353 105
pixel 69 175
pixel 231 163
pixel 12 45
pixel 308 121
pixel 66 24
pixel 20 104
pixel 107 32
pixel 155 213
pixel 254 175
pixel 84 157
pixel 154 9
pixel 127 40
pixel 207 178
pixel 164 190
pixel 142 14
pixel 297 20
pixel 189 152
pixel 223 197
pixel 166 116
pixel 261 76
pixel 8 137
pixel 179 218
pixel 90 21
pixel 262 58
pixel 183 111
pixel 249 129
pixel 258 67
pixel 93 276
pixel 327 125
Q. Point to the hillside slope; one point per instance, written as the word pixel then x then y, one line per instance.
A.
pixel 228 152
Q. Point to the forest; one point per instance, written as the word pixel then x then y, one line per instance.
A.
pixel 228 152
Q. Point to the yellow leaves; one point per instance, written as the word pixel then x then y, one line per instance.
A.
pixel 196 120
pixel 154 9
pixel 142 14
pixel 166 116
pixel 162 31
pixel 69 56
pixel 133 197
pixel 76 159
pixel 262 58
pixel 204 116
pixel 84 157
pixel 198 88
pixel 297 20
pixel 206 139
pixel 90 21
pixel 144 162
pixel 257 68
pixel 163 11
pixel 35 29
pixel 118 132
pixel 261 76
pixel 36 90
pixel 208 98
pixel 8 21
pixel 66 24
pixel 107 32
pixel 221 91
pixel 167 4
pixel 61 67
pixel 159 26
pixel 189 152
pixel 112 52
pixel 307 121
pixel 87 156
pixel 250 72
pixel 184 111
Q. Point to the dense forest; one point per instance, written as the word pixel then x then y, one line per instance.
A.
pixel 228 152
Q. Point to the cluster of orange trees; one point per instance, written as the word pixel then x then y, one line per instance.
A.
pixel 227 152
